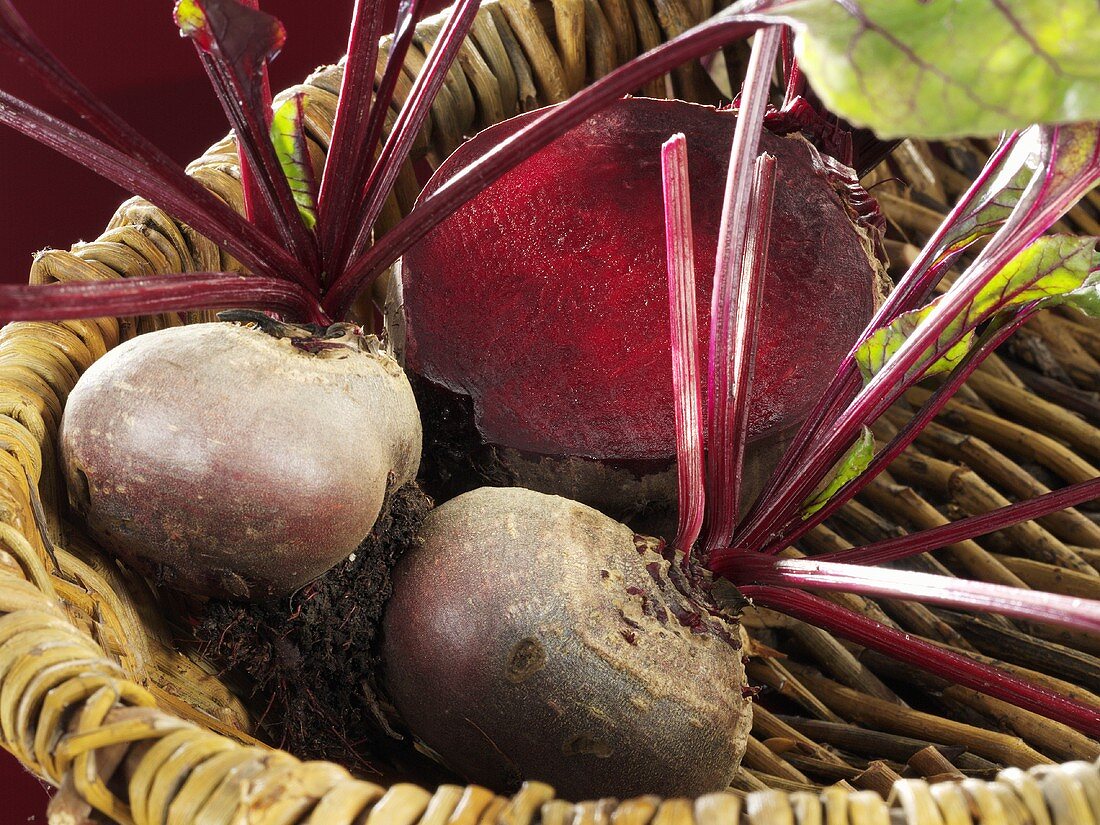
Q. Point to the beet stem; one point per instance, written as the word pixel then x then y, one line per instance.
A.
pixel 735 295
pixel 411 118
pixel 242 102
pixel 351 150
pixel 409 13
pixel 254 207
pixel 166 184
pixel 882 582
pixel 733 404
pixel 904 647
pixel 157 293
pixel 918 283
pixel 684 327
pixel 1051 192
pixel 902 547
pixel 993 338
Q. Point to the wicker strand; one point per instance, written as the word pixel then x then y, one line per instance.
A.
pixel 91 685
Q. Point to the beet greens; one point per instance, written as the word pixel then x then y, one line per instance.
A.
pixel 309 248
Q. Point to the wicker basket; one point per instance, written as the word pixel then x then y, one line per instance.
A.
pixel 96 697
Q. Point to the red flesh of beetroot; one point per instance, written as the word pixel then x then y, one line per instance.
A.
pixel 544 298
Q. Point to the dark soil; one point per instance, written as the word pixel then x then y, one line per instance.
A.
pixel 455 459
pixel 306 665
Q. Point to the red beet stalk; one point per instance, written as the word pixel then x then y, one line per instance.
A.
pixel 904 647
pixel 684 326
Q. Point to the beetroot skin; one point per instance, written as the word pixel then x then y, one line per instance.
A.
pixel 544 299
pixel 532 637
pixel 224 461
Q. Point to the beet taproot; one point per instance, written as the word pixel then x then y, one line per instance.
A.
pixel 223 460
pixel 543 299
pixel 529 636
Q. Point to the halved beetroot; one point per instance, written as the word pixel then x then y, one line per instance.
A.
pixel 544 299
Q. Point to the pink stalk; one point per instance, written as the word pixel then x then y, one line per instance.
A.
pixel 731 382
pixel 249 245
pixel 268 178
pixel 902 547
pixel 905 648
pixel 795 80
pixel 882 582
pixel 156 294
pixel 684 325
pixel 253 198
pixel 734 298
pixel 797 528
pixel 234 42
pixel 1036 212
pixel 703 39
pixel 409 13
pixel 935 259
pixel 411 118
pixel 351 151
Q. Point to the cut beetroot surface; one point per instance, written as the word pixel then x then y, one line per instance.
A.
pixel 545 298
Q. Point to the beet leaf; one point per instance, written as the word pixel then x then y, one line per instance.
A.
pixel 942 68
pixel 850 467
pixel 289 139
pixel 1053 269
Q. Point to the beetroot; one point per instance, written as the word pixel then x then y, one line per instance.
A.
pixel 543 299
pixel 240 489
pixel 533 637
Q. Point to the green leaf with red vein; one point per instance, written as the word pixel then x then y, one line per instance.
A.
pixel 946 68
pixel 992 204
pixel 289 139
pixel 1052 269
pixel 873 353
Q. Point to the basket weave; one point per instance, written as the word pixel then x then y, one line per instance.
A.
pixel 96 697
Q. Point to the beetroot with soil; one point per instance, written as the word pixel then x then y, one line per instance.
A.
pixel 187 472
pixel 547 632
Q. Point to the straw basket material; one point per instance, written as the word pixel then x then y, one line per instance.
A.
pixel 96 696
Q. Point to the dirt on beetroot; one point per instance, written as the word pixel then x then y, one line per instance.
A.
pixel 307 664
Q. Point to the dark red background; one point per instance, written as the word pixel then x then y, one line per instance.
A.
pixel 128 51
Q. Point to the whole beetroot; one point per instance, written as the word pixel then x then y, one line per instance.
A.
pixel 529 636
pixel 224 460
